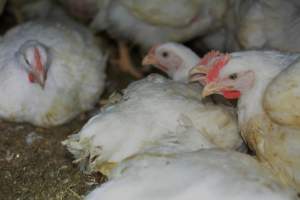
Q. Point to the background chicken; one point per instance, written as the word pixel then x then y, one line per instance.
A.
pixel 271 24
pixel 50 72
pixel 172 58
pixel 178 20
pixel 268 110
pixel 153 111
pixel 84 10
pixel 209 174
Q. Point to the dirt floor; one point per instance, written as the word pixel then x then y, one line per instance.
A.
pixel 34 164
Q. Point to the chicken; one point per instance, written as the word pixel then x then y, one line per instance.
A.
pixel 263 24
pixel 49 72
pixel 267 85
pixel 270 24
pixel 174 59
pixel 152 111
pixel 151 22
pixel 208 174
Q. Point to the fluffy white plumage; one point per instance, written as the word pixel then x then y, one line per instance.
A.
pixel 75 72
pixel 206 174
pixel 154 111
pixel 270 24
pixel 152 22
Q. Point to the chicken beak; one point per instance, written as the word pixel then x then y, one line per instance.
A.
pixel 149 60
pixel 40 78
pixel 198 73
pixel 211 88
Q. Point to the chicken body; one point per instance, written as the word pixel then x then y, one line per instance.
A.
pixel 209 174
pixel 152 112
pixel 251 24
pixel 268 109
pixel 73 72
pixel 151 22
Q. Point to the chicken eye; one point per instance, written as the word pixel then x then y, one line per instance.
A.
pixel 26 60
pixel 233 76
pixel 165 54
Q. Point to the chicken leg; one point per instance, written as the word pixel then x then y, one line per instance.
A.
pixel 124 61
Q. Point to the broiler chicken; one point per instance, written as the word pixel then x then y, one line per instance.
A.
pixel 267 85
pixel 151 22
pixel 174 59
pixel 50 72
pixel 206 174
pixel 270 24
pixel 154 111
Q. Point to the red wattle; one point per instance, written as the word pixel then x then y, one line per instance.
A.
pixel 231 94
pixel 31 78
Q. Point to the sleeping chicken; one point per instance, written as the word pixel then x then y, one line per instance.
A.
pixel 50 72
pixel 267 85
pixel 172 58
pixel 205 174
pixel 154 111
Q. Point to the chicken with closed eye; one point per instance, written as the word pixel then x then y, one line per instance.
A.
pixel 50 72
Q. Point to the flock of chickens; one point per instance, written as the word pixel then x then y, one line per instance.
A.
pixel 160 139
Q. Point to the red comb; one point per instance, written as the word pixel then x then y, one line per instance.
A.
pixel 218 64
pixel 207 57
pixel 37 58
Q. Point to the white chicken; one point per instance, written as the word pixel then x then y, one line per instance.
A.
pixel 270 24
pixel 153 111
pixel 206 174
pixel 268 107
pixel 49 72
pixel 152 22
pixel 172 58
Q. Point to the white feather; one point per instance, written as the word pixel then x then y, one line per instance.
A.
pixel 152 112
pixel 75 78
pixel 205 174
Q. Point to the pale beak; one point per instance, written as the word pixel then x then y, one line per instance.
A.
pixel 149 60
pixel 40 77
pixel 211 88
pixel 198 73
